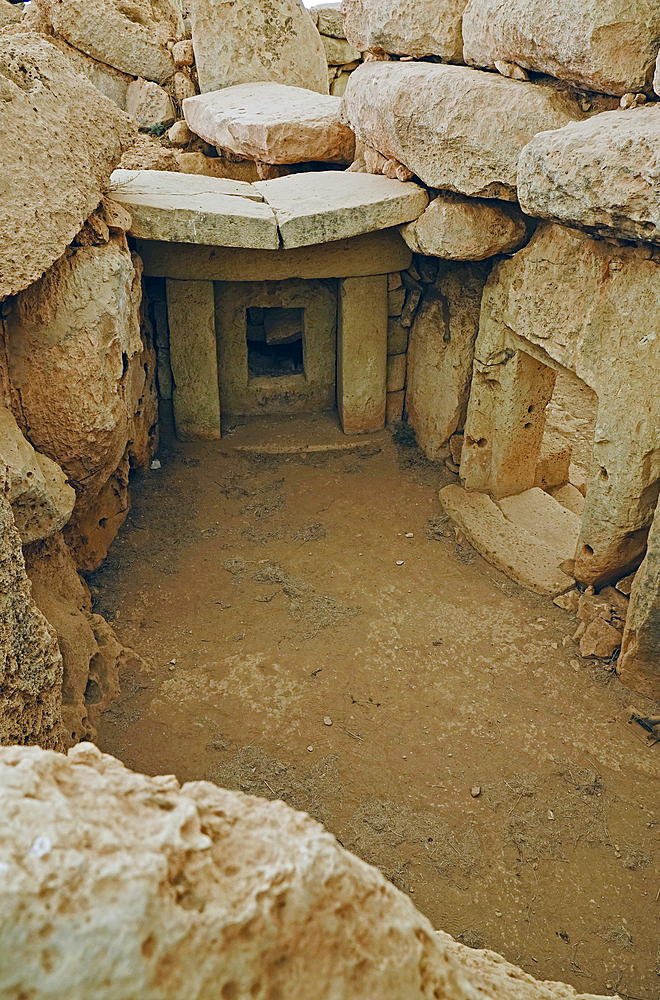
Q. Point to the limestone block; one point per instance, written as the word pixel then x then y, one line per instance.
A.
pixel 441 352
pixel 554 464
pixel 395 404
pixel 639 663
pixel 49 188
pixel 266 40
pixel 600 640
pixel 148 104
pixel 408 27
pixel 272 123
pixel 593 295
pixel 457 228
pixel 468 128
pixel 179 134
pixel 397 336
pixel 36 487
pixel 132 38
pixel 321 207
pixel 504 544
pixel 625 585
pixel 396 372
pixel 90 534
pixel 339 52
pixel 183 53
pixel 544 518
pixel 561 176
pixel 353 257
pixel 569 497
pixel 10 13
pixel 339 85
pixel 111 82
pixel 299 392
pixel 396 299
pixel 362 354
pixel 329 19
pixel 75 359
pixel 30 661
pixel 191 314
pixel 577 42
pixel 188 208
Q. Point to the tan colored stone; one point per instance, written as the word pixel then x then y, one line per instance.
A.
pixel 109 81
pixel 468 128
pixel 333 205
pixel 396 372
pixel 577 42
pixel 639 663
pixel 36 487
pixel 568 601
pixel 561 175
pixel 600 640
pixel 397 336
pixel 183 87
pixel 457 228
pixel 183 53
pixel 30 661
pixel 406 27
pixel 395 404
pixel 191 314
pixel 148 104
pixel 10 13
pixel 339 52
pixel 179 134
pixel 272 123
pixel 569 497
pixel 89 536
pixel 49 188
pixel 593 295
pixel 395 302
pixel 191 209
pixel 504 544
pixel 132 38
pixel 362 354
pixel 554 463
pixel 545 519
pixel 328 19
pixel 339 84
pixel 625 585
pixel 440 355
pixel 266 40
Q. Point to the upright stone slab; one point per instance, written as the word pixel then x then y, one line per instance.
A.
pixel 406 27
pixel 195 394
pixel 274 40
pixel 362 354
pixel 639 663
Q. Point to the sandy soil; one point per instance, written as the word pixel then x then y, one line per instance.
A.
pixel 275 595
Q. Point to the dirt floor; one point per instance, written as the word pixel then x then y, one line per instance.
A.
pixel 315 634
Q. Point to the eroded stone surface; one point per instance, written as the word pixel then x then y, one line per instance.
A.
pixel 639 663
pixel 148 104
pixel 406 27
pixel 602 175
pixel 49 187
pixel 273 40
pixel 468 127
pixel 458 228
pixel 272 123
pixel 609 46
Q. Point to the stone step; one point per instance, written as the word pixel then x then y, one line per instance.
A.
pixel 545 519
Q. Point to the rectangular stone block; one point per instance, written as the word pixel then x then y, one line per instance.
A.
pixel 396 372
pixel 395 404
pixel 195 395
pixel 362 354
pixel 397 336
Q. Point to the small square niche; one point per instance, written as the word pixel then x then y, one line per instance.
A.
pixel 275 342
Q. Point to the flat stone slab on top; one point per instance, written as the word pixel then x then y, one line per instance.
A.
pixel 272 123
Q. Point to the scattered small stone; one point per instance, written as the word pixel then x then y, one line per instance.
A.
pixel 551 815
pixel 327 721
pixel 311 749
pixel 409 534
pixel 399 562
pixel 173 660
pixel 475 791
pixel 155 464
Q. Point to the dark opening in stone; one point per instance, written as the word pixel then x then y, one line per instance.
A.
pixel 275 342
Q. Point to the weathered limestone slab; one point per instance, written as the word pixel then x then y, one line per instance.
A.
pixel 544 518
pixel 362 354
pixel 639 663
pixel 36 487
pixel 48 189
pixel 395 404
pixel 191 314
pixel 328 19
pixel 457 228
pixel 334 205
pixel 396 372
pixel 608 46
pixel 314 389
pixel 561 174
pixel 339 52
pixel 504 544
pixel 272 123
pixel 568 302
pixel 187 208
pixel 111 82
pixel 265 40
pixel 132 38
pixel 408 27
pixel 10 13
pixel 468 128
pixel 440 355
pixel 148 104
pixel 378 252
pixel 30 662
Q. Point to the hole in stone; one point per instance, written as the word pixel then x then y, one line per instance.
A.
pixel 229 991
pixel 527 426
pixel 482 442
pixel 587 549
pixel 604 474
pixel 92 692
pixel 530 409
pixel 275 342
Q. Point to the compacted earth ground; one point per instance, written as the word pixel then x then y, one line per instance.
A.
pixel 314 632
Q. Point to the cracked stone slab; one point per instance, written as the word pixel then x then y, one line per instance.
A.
pixel 187 208
pixel 334 205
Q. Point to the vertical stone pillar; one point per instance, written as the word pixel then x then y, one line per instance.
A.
pixel 505 423
pixel 362 353
pixel 193 356
pixel 639 663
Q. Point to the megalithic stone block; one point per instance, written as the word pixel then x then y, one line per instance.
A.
pixel 195 393
pixel 362 354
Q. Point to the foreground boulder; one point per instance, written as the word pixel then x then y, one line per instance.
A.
pixel 30 662
pixel 413 27
pixel 561 174
pixel 117 885
pixel 265 40
pixel 48 187
pixel 639 663
pixel 609 46
pixel 468 127
pixel 131 37
pixel 272 123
